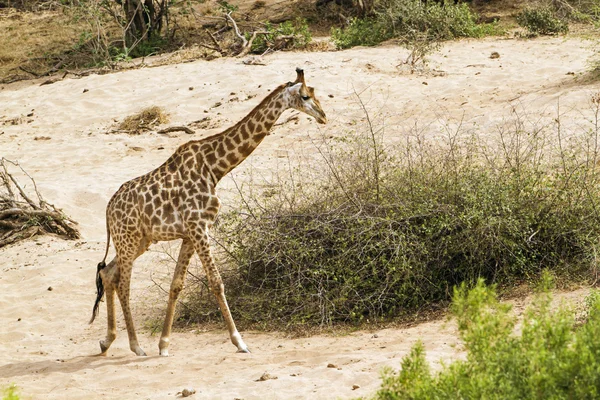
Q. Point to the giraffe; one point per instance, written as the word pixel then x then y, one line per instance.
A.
pixel 178 200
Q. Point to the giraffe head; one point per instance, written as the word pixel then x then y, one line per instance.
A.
pixel 302 98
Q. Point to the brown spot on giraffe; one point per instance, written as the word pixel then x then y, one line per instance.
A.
pixel 178 200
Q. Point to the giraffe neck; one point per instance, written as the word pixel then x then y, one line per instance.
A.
pixel 238 142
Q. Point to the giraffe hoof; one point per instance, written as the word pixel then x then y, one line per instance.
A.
pixel 164 353
pixel 139 352
pixel 103 347
pixel 246 350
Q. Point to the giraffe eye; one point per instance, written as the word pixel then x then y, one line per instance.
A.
pixel 305 98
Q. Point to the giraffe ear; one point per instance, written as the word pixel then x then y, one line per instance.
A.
pixel 295 87
pixel 299 75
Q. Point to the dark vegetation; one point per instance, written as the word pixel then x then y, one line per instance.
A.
pixel 555 355
pixel 387 232
pixel 45 37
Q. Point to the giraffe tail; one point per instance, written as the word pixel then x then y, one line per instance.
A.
pixel 99 290
pixel 99 284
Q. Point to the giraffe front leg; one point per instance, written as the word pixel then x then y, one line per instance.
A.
pixel 216 284
pixel 185 254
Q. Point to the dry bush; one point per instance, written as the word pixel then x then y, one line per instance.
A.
pixel 386 232
pixel 24 215
pixel 144 120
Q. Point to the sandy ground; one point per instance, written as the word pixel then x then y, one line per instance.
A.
pixel 46 346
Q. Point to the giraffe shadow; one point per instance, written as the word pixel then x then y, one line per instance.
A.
pixel 75 364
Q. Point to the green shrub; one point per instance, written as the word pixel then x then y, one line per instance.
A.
pixel 549 359
pixel 405 18
pixel 381 233
pixel 542 21
pixel 287 35
pixel 360 32
pixel 441 21
pixel 10 393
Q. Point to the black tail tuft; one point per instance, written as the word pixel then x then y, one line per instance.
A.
pixel 99 290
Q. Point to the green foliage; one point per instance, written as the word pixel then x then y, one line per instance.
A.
pixel 549 359
pixel 384 232
pixel 407 18
pixel 360 32
pixel 225 7
pixel 441 21
pixel 10 393
pixel 287 35
pixel 542 21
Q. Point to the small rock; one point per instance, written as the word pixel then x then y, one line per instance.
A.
pixel 265 377
pixel 375 336
pixel 187 392
pixel 30 114
pixel 217 104
pixel 42 138
pixel 191 88
pixel 50 288
pixel 494 55
pixel 136 148
pixel 331 365
pixel 354 387
pixel 570 73
pixel 86 90
pixel 18 319
pixel 330 96
pixel 425 83
pixel 160 148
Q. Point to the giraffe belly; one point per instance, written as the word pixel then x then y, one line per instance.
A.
pixel 162 233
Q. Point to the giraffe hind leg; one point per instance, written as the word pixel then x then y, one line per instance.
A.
pixel 110 278
pixel 123 294
pixel 125 258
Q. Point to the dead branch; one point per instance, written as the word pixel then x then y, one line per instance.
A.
pixel 177 128
pixel 19 235
pixel 215 42
pixel 246 44
pixel 23 216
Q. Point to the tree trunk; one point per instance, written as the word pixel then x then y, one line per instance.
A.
pixel 144 18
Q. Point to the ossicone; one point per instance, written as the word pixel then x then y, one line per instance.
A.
pixel 299 75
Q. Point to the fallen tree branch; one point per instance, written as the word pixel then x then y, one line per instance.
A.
pixel 177 128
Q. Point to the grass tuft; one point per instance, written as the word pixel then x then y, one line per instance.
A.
pixel 144 120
